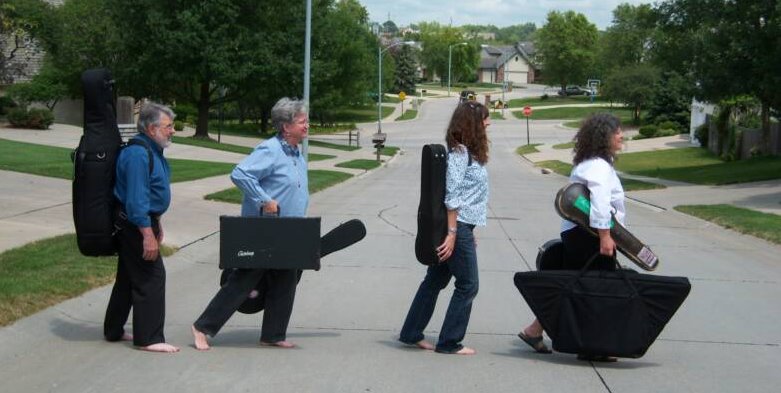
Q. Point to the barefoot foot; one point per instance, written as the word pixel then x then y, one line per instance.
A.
pixel 278 344
pixel 200 340
pixel 466 351
pixel 160 347
pixel 423 344
pixel 127 337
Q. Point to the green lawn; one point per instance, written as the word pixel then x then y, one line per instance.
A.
pixel 564 169
pixel 750 222
pixel 365 114
pixel 409 114
pixel 527 149
pixel 330 145
pixel 389 151
pixel 318 180
pixel 698 166
pixel 54 161
pixel 573 112
pixel 359 164
pixel 496 115
pixel 46 272
pixel 563 146
pixel 554 100
pixel 212 144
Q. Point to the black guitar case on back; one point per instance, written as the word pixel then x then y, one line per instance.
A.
pixel 432 213
pixel 94 163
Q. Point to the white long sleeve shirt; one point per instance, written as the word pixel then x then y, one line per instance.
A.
pixel 607 194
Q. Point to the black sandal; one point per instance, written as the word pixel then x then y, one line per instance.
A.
pixel 535 342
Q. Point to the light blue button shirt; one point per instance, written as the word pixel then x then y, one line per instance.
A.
pixel 140 192
pixel 274 170
pixel 466 188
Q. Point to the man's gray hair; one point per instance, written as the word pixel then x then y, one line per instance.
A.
pixel 285 110
pixel 150 115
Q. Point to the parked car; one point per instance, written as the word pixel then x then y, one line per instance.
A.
pixel 467 95
pixel 575 91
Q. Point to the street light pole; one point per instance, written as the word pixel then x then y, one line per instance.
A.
pixel 380 51
pixel 307 66
pixel 449 61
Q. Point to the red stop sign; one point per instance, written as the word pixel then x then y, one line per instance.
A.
pixel 527 111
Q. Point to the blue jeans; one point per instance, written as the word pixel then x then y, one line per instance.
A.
pixel 463 266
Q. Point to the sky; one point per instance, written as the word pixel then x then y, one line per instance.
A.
pixel 500 13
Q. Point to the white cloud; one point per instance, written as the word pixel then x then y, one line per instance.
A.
pixel 496 12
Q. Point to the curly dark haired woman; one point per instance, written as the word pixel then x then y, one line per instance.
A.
pixel 466 199
pixel 597 143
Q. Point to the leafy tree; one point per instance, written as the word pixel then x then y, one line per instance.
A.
pixel 76 36
pixel 45 87
pixel 191 51
pixel 671 99
pixel 632 85
pixel 629 39
pixel 406 68
pixel 16 45
pixel 566 47
pixel 731 48
pixel 436 40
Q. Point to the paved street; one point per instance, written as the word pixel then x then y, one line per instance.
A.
pixel 725 338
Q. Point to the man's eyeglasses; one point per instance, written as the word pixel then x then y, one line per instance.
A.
pixel 167 127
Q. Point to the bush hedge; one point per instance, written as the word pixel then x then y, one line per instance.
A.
pixel 36 118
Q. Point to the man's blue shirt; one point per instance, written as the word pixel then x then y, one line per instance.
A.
pixel 140 193
pixel 274 170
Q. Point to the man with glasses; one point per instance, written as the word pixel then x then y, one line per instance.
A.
pixel 143 193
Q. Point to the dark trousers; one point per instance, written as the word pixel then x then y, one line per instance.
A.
pixel 139 285
pixel 580 246
pixel 463 266
pixel 278 306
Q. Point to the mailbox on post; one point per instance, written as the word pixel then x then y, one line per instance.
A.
pixel 378 139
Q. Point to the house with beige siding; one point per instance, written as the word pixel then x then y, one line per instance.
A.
pixel 508 63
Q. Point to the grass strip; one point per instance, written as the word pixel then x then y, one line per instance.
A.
pixel 562 146
pixel 573 112
pixel 52 161
pixel 527 149
pixel 329 145
pixel 564 169
pixel 750 222
pixel 698 166
pixel 495 115
pixel 409 114
pixel 318 180
pixel 359 164
pixel 46 272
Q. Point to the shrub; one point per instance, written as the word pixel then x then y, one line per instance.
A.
pixel 178 125
pixel 37 118
pixel 702 134
pixel 544 97
pixel 669 125
pixel 6 103
pixel 648 131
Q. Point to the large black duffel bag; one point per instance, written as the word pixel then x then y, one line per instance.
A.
pixel 614 313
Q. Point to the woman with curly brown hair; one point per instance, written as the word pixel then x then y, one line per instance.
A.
pixel 466 199
pixel 597 144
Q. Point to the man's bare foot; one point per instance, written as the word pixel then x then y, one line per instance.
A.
pixel 200 340
pixel 127 337
pixel 423 344
pixel 278 344
pixel 160 347
pixel 466 351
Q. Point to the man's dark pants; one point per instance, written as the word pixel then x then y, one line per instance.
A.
pixel 278 307
pixel 140 285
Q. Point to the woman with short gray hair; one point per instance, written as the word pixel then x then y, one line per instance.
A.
pixel 273 179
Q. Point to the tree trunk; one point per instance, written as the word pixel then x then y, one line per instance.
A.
pixel 264 116
pixel 766 148
pixel 202 127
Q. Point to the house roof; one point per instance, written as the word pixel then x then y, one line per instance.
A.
pixel 494 57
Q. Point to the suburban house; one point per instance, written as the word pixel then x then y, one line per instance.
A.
pixel 508 63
